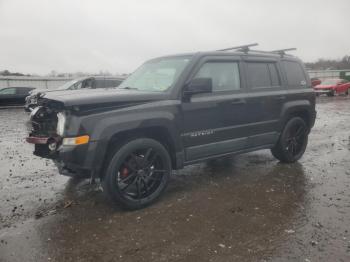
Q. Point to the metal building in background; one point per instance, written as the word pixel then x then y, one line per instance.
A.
pixel 30 81
pixel 323 74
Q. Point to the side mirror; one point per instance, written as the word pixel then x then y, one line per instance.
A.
pixel 198 86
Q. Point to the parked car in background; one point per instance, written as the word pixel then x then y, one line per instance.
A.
pixel 315 81
pixel 14 95
pixel 91 82
pixel 333 86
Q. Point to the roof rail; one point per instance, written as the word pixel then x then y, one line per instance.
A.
pixel 243 48
pixel 246 49
pixel 283 51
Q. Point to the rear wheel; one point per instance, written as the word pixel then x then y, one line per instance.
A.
pixel 137 173
pixel 292 142
pixel 347 92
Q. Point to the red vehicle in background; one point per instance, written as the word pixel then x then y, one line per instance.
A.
pixel 333 86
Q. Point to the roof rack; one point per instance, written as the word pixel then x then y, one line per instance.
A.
pixel 282 52
pixel 246 49
pixel 243 48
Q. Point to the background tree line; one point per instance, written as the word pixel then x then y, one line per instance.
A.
pixel 323 64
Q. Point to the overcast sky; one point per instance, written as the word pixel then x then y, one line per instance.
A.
pixel 37 36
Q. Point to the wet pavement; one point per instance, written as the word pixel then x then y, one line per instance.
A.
pixel 244 208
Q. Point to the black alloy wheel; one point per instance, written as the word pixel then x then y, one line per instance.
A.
pixel 292 142
pixel 138 173
pixel 295 139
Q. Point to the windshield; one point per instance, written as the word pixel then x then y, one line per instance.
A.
pixel 157 75
pixel 330 82
pixel 69 84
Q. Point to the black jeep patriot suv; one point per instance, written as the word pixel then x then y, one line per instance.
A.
pixel 174 111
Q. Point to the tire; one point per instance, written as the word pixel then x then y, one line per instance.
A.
pixel 137 173
pixel 292 142
pixel 347 92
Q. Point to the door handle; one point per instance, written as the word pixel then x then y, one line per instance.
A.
pixel 238 102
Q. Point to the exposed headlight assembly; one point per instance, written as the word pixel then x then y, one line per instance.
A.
pixel 61 121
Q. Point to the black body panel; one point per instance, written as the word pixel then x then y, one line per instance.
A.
pixel 195 127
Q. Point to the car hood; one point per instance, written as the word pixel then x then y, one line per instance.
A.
pixel 90 97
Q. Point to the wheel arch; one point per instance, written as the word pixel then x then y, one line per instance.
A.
pixel 302 109
pixel 162 132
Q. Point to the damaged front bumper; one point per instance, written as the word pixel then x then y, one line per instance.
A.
pixel 70 160
pixel 70 154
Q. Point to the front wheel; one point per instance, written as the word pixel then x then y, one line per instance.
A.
pixel 137 173
pixel 292 142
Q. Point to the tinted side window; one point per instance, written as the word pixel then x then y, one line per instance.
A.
pixel 99 83
pixel 89 83
pixel 112 82
pixel 295 74
pixel 225 75
pixel 258 75
pixel 8 91
pixel 23 90
pixel 262 75
pixel 275 80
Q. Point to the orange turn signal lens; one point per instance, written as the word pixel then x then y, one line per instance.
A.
pixel 74 141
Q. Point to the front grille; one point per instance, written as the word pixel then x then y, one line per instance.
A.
pixel 43 122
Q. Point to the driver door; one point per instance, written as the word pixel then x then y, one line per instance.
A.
pixel 212 121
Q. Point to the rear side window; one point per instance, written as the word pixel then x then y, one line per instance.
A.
pixel 23 90
pixel 295 74
pixel 8 91
pixel 99 83
pixel 225 75
pixel 275 80
pixel 262 75
pixel 112 82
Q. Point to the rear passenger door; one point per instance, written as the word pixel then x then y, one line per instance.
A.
pixel 265 102
pixel 213 121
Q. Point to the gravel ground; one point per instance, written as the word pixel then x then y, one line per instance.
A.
pixel 245 208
